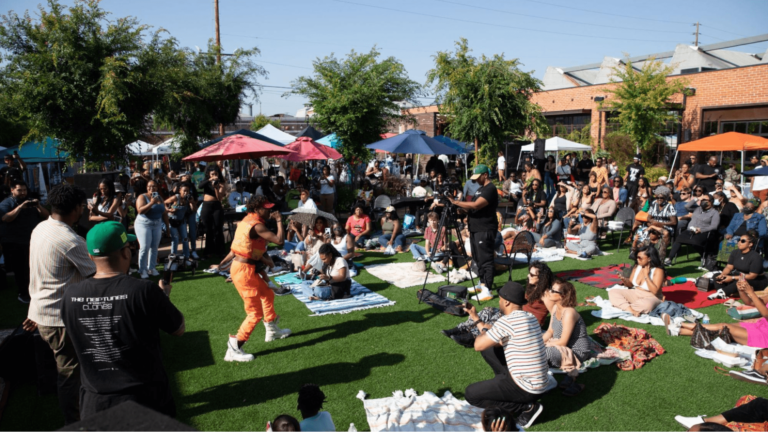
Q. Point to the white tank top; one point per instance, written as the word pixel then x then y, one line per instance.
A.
pixel 644 285
pixel 341 247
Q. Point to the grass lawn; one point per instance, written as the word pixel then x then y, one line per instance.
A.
pixel 383 350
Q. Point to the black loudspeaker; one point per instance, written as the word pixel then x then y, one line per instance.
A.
pixel 539 146
pixel 128 416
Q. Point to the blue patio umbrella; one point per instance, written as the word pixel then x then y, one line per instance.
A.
pixel 756 172
pixel 413 141
pixel 331 140
pixel 458 145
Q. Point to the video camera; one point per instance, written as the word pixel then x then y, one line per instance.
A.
pixel 177 263
pixel 447 189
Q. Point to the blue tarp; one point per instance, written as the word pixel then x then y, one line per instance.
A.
pixel 35 152
pixel 413 141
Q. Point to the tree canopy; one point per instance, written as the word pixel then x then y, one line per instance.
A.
pixel 642 100
pixel 357 98
pixel 261 120
pixel 485 100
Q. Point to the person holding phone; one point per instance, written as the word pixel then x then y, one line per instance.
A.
pixel 19 217
pixel 212 213
pixel 105 203
pixel 327 189
pixel 149 227
pixel 744 261
pixel 645 282
pixel 177 207
pixel 15 168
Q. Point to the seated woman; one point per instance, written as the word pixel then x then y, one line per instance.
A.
pixel 746 220
pixel 335 273
pixel 644 282
pixel 604 207
pixel 345 244
pixel 392 230
pixel 567 335
pixel 586 247
pixel 560 201
pixel 454 256
pixel 359 226
pixel 744 262
pixel 753 334
pixel 311 243
pixel 421 253
pixel 550 232
pixel 585 202
pixel 655 237
pixel 365 197
pixel 540 278
pixel 594 184
pixel 533 197
pixel 705 220
pixel 619 192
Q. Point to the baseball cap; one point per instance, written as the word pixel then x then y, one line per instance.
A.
pixel 637 157
pixel 389 209
pixel 513 292
pixel 480 170
pixel 107 237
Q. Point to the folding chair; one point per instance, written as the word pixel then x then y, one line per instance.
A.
pixel 522 243
pixel 627 218
pixel 380 204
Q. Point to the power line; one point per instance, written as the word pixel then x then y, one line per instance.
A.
pixel 607 13
pixel 724 31
pixel 313 42
pixel 561 20
pixel 496 25
pixel 282 64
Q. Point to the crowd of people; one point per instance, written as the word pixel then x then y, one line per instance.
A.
pixel 558 204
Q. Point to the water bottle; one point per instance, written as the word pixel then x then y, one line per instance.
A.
pixel 705 320
pixel 352 427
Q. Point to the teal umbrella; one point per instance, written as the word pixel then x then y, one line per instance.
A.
pixel 331 140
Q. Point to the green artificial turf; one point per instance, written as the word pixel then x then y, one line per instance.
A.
pixel 384 350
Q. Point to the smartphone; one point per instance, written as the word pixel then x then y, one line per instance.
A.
pixel 328 231
pixel 155 195
pixel 90 202
pixel 168 276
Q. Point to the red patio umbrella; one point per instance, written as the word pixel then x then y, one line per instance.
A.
pixel 238 147
pixel 305 148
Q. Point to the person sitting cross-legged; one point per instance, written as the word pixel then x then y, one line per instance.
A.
pixel 705 220
pixel 422 253
pixel 644 283
pixel 515 351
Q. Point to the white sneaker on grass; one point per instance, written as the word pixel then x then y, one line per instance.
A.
pixel 144 275
pixel 275 332
pixel 689 422
pixel 484 294
pixel 154 272
pixel 235 353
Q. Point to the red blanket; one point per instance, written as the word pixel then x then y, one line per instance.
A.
pixel 636 341
pixel 687 295
pixel 603 277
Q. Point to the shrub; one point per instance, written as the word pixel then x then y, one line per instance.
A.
pixel 653 174
pixel 620 148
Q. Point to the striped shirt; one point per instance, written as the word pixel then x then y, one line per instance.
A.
pixel 524 350
pixel 58 257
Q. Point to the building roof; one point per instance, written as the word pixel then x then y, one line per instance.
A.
pixel 684 59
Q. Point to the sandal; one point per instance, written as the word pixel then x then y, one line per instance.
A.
pixel 574 389
pixel 566 382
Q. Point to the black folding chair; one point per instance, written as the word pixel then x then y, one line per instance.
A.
pixel 522 243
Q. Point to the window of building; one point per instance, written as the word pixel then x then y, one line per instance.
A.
pixel 566 124
pixel 759 128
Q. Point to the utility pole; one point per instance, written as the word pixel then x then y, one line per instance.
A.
pixel 218 52
pixel 696 43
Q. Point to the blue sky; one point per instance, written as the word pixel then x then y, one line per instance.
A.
pixel 563 33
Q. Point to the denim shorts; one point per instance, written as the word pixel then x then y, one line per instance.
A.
pixel 322 292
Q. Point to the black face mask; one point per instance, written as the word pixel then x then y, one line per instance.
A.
pixel 662 202
pixel 705 205
pixel 747 210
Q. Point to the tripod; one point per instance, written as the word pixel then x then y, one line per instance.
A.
pixel 449 223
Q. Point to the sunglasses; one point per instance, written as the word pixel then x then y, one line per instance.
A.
pixel 555 292
pixel 698 191
pixel 743 241
pixel 684 193
pixel 533 274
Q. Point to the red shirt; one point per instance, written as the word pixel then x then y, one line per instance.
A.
pixel 431 236
pixel 357 226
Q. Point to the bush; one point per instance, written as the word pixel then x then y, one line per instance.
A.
pixel 653 174
pixel 620 148
pixel 346 195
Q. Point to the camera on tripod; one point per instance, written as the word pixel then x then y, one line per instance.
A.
pixel 175 263
pixel 447 190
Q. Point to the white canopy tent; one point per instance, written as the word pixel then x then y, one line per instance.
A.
pixel 139 148
pixel 276 134
pixel 555 144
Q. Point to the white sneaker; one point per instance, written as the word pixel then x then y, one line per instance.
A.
pixel 195 255
pixel 234 353
pixel 484 295
pixel 438 267
pixel 275 332
pixel 689 422
pixel 719 294
pixel 154 272
pixel 144 275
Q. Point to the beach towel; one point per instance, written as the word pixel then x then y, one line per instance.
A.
pixel 289 279
pixel 362 298
pixel 689 296
pixel 410 412
pixel 608 311
pixel 542 255
pixel 637 341
pixel 402 274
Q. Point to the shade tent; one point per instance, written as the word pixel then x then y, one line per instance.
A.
pixel 331 140
pixel 237 147
pixel 276 134
pixel 36 152
pixel 555 144
pixel 311 132
pixel 139 148
pixel 305 149
pixel 413 141
pixel 244 132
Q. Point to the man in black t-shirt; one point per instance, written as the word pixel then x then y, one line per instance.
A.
pixel 634 172
pixel 113 321
pixel 585 166
pixel 14 171
pixel 708 174
pixel 483 224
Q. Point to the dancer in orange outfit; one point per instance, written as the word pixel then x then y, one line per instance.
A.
pixel 248 246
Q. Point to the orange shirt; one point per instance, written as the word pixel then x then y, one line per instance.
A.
pixel 243 245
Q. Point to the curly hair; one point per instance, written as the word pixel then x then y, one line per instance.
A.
pixel 494 413
pixel 311 398
pixel 64 197
pixel 535 292
pixel 285 422
pixel 256 202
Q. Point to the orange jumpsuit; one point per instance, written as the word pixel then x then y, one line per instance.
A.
pixel 258 298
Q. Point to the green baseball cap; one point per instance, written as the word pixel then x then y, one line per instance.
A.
pixel 480 170
pixel 107 237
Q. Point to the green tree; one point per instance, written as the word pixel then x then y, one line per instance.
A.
pixel 642 100
pixel 261 120
pixel 486 100
pixel 357 98
pixel 78 77
pixel 200 93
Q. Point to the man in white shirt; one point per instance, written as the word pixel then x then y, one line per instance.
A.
pixel 502 166
pixel 445 160
pixel 305 200
pixel 238 196
pixel 760 183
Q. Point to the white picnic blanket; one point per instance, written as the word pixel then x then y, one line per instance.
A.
pixel 541 254
pixel 608 311
pixel 410 412
pixel 402 275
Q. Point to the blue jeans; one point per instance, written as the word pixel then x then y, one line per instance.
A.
pixel 361 241
pixel 549 183
pixel 321 292
pixel 192 228
pixel 148 232
pixel 419 251
pixel 397 243
pixel 179 233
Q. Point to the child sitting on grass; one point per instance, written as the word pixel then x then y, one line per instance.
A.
pixel 311 400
